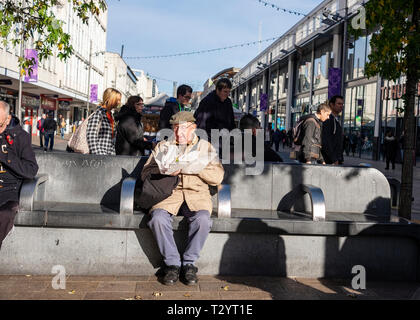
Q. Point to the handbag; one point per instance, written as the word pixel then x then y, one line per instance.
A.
pixel 156 188
pixel 78 141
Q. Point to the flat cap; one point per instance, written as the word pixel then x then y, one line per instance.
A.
pixel 182 116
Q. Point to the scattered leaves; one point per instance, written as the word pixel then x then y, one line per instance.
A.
pixel 157 294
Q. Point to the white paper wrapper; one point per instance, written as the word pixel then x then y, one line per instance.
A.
pixel 193 162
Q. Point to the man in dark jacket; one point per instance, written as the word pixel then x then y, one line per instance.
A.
pixel 130 140
pixel 17 162
pixel 332 133
pixel 173 106
pixel 50 126
pixel 215 111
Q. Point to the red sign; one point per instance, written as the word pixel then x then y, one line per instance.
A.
pixel 48 103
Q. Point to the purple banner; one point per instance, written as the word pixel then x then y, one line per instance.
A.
pixel 263 102
pixel 334 82
pixel 33 76
pixel 93 93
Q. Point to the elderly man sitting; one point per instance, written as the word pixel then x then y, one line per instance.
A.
pixel 191 195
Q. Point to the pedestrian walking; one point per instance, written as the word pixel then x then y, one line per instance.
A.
pixel 277 137
pixel 215 111
pixel 130 139
pixel 175 105
pixel 41 130
pixel 191 196
pixel 391 149
pixel 62 126
pixel 332 133
pixel 17 162
pixel 50 126
pixel 100 132
pixel 310 137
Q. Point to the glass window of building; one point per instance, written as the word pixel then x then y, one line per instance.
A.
pixel 321 68
pixel 303 79
pixel 273 86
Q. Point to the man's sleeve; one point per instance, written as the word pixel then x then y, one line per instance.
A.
pixel 327 148
pixel 201 116
pixel 308 143
pixel 213 173
pixel 23 164
pixel 164 118
pixel 232 118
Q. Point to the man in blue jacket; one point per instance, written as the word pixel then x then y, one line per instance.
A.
pixel 173 106
pixel 17 162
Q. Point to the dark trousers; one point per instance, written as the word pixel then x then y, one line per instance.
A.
pixel 8 212
pixel 41 139
pixel 276 145
pixel 390 159
pixel 199 227
pixel 48 137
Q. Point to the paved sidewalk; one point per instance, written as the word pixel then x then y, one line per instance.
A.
pixel 21 287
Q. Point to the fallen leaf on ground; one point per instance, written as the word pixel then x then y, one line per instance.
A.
pixel 28 276
pixel 137 297
pixel 226 288
pixel 127 298
pixel 187 295
pixel 157 294
pixel 72 292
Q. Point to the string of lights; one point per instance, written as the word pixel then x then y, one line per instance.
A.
pixel 204 51
pixel 281 9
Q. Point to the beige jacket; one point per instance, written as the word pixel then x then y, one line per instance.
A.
pixel 193 188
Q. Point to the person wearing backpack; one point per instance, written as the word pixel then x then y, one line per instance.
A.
pixel 39 125
pixel 309 135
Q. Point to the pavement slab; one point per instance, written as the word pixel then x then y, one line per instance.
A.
pixel 210 287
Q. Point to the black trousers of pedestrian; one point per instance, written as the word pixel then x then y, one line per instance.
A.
pixel 41 139
pixel 8 212
pixel 276 145
pixel 390 159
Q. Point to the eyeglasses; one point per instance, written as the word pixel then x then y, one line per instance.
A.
pixel 188 98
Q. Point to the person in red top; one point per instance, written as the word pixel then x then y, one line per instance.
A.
pixel 39 126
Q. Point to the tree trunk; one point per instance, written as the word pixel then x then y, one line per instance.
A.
pixel 409 129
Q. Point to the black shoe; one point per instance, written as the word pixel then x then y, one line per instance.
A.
pixel 171 275
pixel 189 273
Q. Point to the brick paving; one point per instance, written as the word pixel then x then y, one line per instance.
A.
pixel 34 287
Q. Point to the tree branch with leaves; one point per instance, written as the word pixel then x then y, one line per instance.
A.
pixel 395 53
pixel 35 19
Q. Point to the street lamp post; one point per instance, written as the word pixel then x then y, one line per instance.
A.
pixel 89 69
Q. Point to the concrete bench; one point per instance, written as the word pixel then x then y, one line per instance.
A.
pixel 269 230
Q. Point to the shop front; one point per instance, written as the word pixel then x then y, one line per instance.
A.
pixel 30 111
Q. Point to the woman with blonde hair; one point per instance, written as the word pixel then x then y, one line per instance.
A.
pixel 100 131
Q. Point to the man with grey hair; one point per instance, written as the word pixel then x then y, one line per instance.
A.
pixel 17 162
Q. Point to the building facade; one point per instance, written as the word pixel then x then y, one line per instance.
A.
pixel 120 76
pixel 293 76
pixel 62 86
